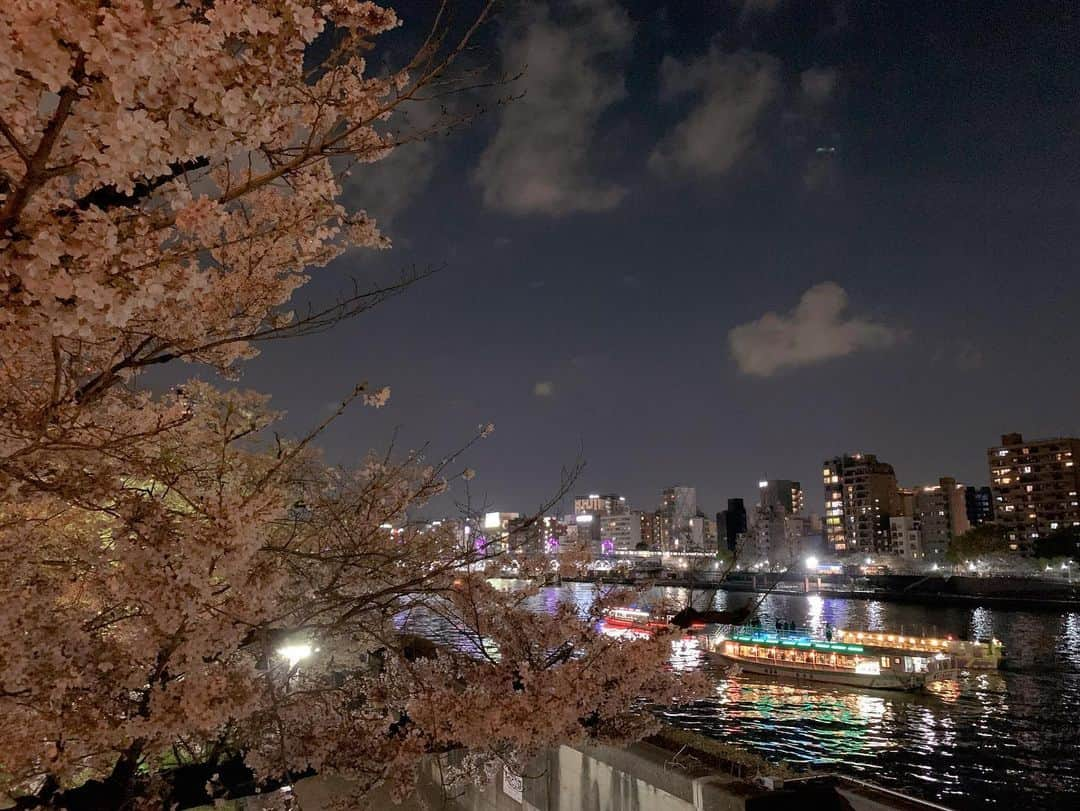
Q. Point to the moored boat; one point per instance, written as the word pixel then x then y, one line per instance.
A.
pixel 800 658
pixel 641 621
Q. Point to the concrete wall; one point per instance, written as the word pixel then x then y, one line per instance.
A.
pixel 641 777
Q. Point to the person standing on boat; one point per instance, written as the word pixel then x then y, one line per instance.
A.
pixel 828 632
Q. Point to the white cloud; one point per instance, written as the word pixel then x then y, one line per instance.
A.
pixel 816 330
pixel 538 160
pixel 733 91
pixel 387 187
pixel 544 388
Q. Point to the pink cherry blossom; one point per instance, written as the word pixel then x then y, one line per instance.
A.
pixel 169 178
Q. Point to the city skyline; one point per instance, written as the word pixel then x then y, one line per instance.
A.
pixel 866 510
pixel 650 500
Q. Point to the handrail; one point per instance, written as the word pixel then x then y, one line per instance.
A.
pixel 872 786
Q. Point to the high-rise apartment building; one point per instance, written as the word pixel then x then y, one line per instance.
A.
pixel 905 538
pixel 940 513
pixel 860 497
pixel 650 529
pixel 678 506
pixel 979 503
pixel 780 539
pixel 495 530
pixel 709 531
pixel 535 535
pixel 623 530
pixel 781 493
pixel 1035 486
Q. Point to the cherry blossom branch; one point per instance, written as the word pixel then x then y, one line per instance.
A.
pixel 36 168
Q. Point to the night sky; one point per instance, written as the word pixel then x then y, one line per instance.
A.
pixel 716 242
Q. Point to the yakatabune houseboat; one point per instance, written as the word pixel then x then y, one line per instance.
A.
pixel 800 658
pixel 983 654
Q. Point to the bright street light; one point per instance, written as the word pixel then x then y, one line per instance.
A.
pixel 295 653
pixel 812 563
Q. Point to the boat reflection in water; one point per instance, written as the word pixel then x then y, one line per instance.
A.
pixel 687 650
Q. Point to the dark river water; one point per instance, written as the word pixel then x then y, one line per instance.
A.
pixel 992 739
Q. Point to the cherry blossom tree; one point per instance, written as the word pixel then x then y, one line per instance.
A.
pixel 185 593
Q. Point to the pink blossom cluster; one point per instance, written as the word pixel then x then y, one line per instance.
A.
pixel 169 176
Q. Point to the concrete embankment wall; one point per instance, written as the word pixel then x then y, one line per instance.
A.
pixel 641 777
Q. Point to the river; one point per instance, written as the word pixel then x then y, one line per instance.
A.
pixel 992 739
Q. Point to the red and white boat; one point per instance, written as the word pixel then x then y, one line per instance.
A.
pixel 641 621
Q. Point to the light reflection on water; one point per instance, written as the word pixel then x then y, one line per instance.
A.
pixel 988 739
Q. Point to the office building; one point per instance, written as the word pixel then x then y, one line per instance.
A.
pixel 595 504
pixel 1035 486
pixel 860 497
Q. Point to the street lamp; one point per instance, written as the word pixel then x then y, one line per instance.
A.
pixel 811 564
pixel 295 653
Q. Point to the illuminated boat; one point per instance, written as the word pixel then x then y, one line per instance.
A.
pixel 799 658
pixel 984 654
pixel 641 621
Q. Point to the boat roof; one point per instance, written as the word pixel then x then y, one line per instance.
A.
pixel 791 641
